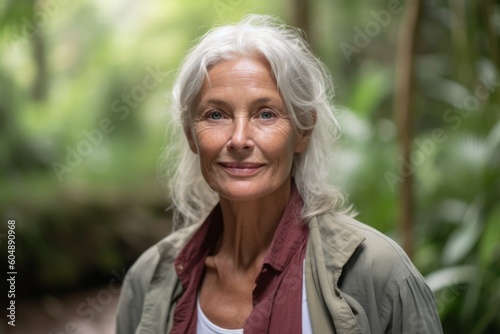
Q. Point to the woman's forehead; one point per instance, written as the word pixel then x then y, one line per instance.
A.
pixel 247 77
pixel 242 71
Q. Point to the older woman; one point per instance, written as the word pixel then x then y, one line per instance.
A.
pixel 261 244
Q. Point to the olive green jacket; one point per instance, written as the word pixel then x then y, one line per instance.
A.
pixel 357 281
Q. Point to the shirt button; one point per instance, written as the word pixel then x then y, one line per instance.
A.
pixel 180 267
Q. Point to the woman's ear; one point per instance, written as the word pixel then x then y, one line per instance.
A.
pixel 190 138
pixel 305 135
pixel 303 140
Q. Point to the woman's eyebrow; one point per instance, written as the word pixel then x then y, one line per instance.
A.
pixel 262 100
pixel 212 102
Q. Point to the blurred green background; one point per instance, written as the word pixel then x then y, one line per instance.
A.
pixel 83 124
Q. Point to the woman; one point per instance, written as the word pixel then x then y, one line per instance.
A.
pixel 261 244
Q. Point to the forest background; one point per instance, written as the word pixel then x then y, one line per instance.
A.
pixel 83 125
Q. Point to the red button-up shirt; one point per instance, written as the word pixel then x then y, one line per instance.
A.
pixel 277 296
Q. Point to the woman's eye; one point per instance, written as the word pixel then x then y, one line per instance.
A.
pixel 215 115
pixel 266 114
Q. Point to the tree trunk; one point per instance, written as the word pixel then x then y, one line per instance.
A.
pixel 403 108
pixel 40 83
pixel 301 14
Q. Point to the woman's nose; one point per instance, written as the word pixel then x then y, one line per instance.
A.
pixel 241 136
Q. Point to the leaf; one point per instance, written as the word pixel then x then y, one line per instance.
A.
pixel 463 239
pixel 493 139
pixel 489 247
pixel 447 91
pixel 451 276
pixel 452 210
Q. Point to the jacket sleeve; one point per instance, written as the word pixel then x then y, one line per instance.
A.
pixel 414 309
pixel 133 292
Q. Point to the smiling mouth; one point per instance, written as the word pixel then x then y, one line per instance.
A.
pixel 241 168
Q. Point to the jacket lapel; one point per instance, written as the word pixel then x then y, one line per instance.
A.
pixel 165 288
pixel 331 244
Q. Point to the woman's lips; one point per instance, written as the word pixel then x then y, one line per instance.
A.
pixel 241 168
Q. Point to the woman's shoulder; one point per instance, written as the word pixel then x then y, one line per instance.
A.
pixel 141 273
pixel 377 252
pixel 166 249
pixel 376 277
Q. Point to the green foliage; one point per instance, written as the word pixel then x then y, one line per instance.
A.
pixel 79 164
pixel 456 148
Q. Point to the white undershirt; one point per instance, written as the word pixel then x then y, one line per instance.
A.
pixel 205 326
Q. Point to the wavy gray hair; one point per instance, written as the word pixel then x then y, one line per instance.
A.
pixel 306 88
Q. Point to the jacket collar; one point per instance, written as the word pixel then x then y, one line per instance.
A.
pixel 331 244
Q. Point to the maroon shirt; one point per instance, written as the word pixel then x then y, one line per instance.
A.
pixel 277 297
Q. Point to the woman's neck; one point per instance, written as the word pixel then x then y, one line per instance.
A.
pixel 249 227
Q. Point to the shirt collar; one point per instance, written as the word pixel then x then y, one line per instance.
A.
pixel 289 234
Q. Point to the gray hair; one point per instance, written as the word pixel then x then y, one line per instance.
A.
pixel 306 88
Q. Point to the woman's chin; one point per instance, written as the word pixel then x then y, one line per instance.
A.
pixel 240 195
pixel 248 191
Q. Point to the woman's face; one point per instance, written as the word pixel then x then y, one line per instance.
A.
pixel 242 132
